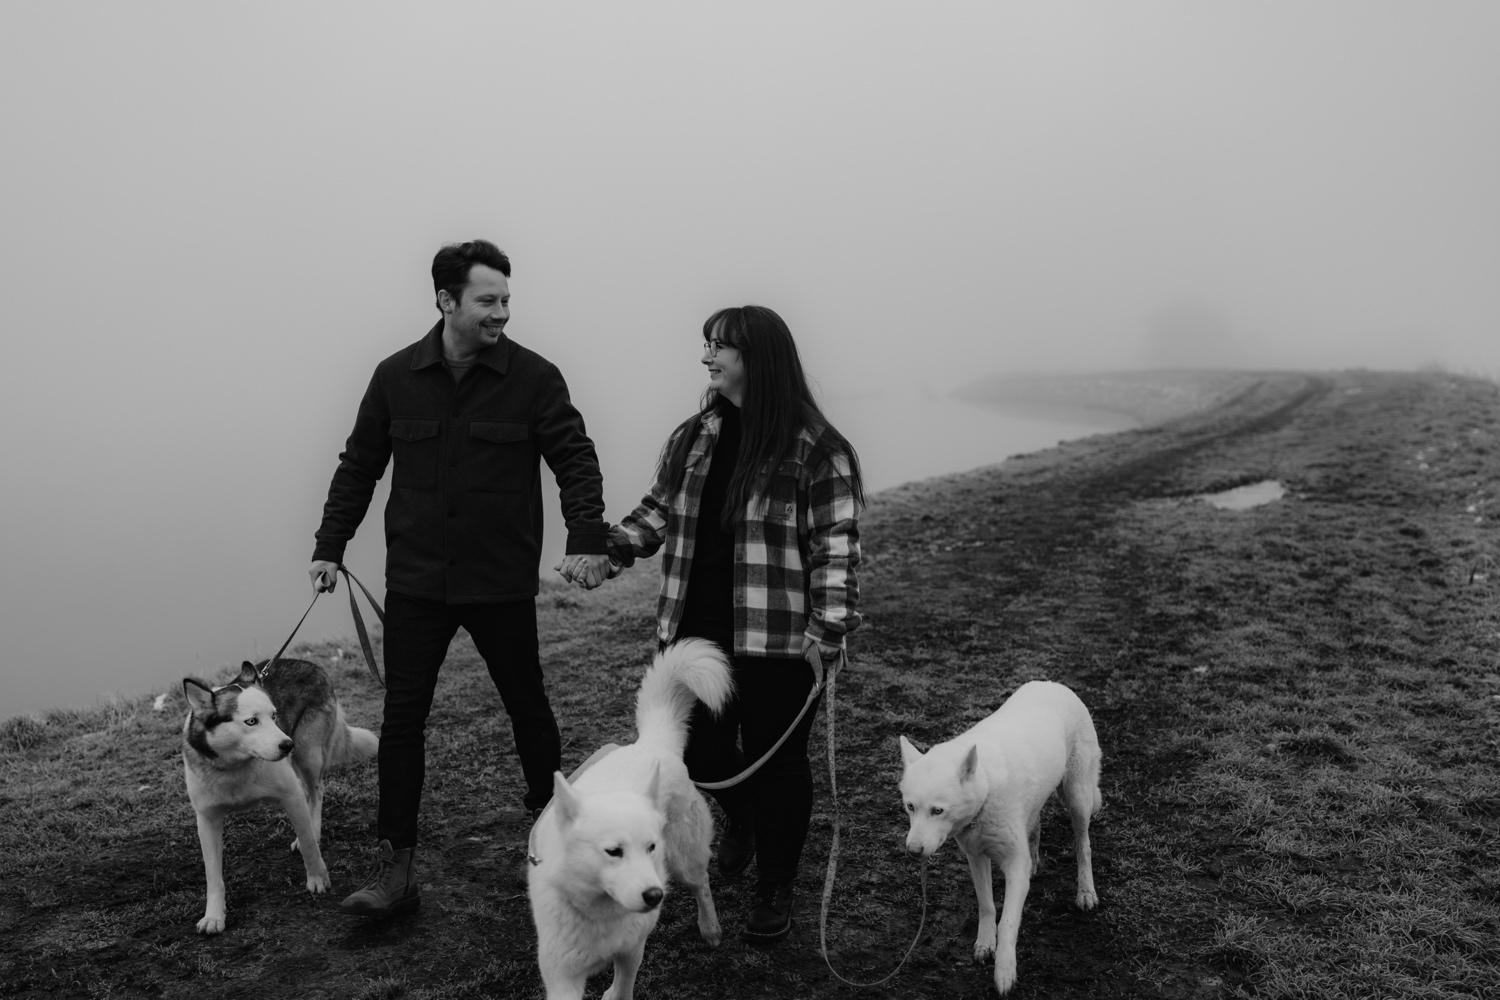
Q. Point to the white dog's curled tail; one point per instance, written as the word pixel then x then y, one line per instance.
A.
pixel 350 743
pixel 686 671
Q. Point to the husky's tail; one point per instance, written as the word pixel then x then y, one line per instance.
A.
pixel 350 743
pixel 685 672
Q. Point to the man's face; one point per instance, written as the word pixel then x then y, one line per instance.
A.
pixel 481 312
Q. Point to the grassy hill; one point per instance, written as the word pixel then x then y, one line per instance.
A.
pixel 1299 707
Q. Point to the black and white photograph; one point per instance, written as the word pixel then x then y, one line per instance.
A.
pixel 775 501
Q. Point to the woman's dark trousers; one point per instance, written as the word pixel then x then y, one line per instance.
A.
pixel 769 692
pixel 417 634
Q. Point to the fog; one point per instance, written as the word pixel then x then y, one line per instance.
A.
pixel 215 221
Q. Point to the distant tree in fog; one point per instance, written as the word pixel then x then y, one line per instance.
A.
pixel 1191 334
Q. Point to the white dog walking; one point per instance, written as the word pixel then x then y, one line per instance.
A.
pixel 986 789
pixel 602 849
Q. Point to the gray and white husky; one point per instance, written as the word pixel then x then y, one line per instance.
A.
pixel 264 737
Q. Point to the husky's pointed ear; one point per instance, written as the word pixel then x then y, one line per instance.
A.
pixel 970 765
pixel 247 674
pixel 909 754
pixel 653 790
pixel 564 800
pixel 200 696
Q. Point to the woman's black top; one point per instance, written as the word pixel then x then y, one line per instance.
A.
pixel 710 588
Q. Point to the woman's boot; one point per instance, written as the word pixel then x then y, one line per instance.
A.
pixel 771 919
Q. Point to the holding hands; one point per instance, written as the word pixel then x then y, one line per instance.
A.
pixel 588 571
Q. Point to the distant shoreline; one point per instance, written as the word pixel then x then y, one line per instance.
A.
pixel 1118 399
pixel 1110 401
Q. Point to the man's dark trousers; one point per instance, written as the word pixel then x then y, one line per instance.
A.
pixel 417 634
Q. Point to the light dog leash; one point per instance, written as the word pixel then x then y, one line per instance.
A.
pixel 359 626
pixel 833 849
pixel 812 697
pixel 826 682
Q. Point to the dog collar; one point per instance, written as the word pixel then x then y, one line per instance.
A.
pixel 533 859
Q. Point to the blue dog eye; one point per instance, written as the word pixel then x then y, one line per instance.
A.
pixel 251 721
pixel 937 810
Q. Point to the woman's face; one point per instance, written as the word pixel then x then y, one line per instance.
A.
pixel 726 370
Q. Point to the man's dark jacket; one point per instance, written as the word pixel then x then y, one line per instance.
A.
pixel 464 521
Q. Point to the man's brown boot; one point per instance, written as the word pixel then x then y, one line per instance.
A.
pixel 392 887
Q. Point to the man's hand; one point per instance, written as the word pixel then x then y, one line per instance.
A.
pixel 324 575
pixel 588 571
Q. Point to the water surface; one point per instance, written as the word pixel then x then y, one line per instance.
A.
pixel 155 576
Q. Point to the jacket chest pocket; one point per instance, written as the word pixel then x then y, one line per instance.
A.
pixel 500 458
pixel 781 501
pixel 415 451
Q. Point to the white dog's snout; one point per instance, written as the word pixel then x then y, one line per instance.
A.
pixel 917 849
pixel 652 897
pixel 921 843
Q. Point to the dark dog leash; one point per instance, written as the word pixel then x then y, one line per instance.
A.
pixel 359 625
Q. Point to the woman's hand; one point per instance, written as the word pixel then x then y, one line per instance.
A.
pixel 816 655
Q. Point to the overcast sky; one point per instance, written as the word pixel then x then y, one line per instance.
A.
pixel 216 219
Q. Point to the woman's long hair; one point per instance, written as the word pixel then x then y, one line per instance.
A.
pixel 777 405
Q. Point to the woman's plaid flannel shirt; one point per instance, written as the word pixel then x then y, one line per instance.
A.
pixel 795 551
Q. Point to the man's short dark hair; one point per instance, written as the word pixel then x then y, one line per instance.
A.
pixel 450 268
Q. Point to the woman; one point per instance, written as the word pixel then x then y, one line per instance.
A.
pixel 756 502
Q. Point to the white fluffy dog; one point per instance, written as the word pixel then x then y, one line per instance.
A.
pixel 986 789
pixel 602 849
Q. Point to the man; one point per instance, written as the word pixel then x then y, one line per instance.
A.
pixel 466 413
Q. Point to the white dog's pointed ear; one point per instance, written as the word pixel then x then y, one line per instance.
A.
pixel 971 763
pixel 909 753
pixel 247 675
pixel 653 790
pixel 199 695
pixel 564 800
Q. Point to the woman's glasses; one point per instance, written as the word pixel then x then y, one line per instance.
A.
pixel 714 346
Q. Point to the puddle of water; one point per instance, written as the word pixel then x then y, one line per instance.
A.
pixel 1245 497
